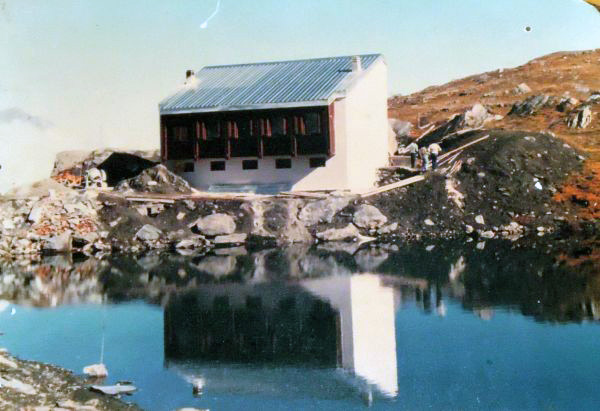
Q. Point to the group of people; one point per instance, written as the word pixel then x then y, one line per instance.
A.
pixel 425 154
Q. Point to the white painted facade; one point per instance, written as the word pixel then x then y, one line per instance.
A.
pixel 361 146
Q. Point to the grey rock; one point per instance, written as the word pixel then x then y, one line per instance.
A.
pixel 348 233
pixel 322 210
pixel 215 224
pixel 581 117
pixel 113 389
pixel 532 105
pixel 239 238
pixel 191 243
pixel 60 243
pixel 148 233
pixel 369 217
pixel 487 234
pixel 522 88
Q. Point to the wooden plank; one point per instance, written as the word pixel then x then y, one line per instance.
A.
pixel 151 200
pixel 398 184
pixel 463 147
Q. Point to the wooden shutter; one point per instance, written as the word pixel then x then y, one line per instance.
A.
pixel 331 130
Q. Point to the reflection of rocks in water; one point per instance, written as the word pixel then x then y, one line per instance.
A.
pixel 218 266
pixel 369 259
pixel 149 262
pixel 53 282
pixel 317 265
pixel 545 285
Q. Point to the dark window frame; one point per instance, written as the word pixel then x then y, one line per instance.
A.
pixel 249 164
pixel 283 163
pixel 316 162
pixel 217 166
pixel 187 165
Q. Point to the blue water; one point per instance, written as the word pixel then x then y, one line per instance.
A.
pixel 449 354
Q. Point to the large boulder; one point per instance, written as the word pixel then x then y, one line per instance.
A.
pixel 215 224
pixel 148 233
pixel 369 217
pixel 322 210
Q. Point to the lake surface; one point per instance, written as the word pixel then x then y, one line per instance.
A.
pixel 432 326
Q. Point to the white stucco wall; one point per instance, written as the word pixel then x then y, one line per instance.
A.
pixel 367 127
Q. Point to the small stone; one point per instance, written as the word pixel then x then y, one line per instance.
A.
pixel 180 216
pixel 538 185
pixel 469 229
pixel 429 222
pixel 480 245
pixel 96 370
pixel 488 234
pixel 479 219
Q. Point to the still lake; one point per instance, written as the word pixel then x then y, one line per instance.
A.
pixel 432 326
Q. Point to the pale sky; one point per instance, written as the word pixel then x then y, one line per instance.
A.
pixel 90 74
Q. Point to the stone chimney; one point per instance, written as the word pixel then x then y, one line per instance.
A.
pixel 356 66
pixel 188 74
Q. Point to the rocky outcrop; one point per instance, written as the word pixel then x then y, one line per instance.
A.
pixel 532 105
pixel 580 117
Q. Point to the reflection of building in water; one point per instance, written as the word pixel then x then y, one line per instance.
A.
pixel 345 321
pixel 251 324
pixel 367 326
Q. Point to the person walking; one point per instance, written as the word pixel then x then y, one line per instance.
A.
pixel 413 149
pixel 434 152
pixel 424 154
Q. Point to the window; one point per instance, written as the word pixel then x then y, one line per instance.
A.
pixel 188 168
pixel 283 163
pixel 312 123
pixel 264 127
pixel 249 164
pixel 315 162
pixel 217 166
pixel 279 126
pixel 299 126
pixel 244 128
pixel 210 130
pixel 180 133
pixel 232 129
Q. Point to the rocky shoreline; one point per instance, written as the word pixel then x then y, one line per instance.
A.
pixel 504 187
pixel 34 386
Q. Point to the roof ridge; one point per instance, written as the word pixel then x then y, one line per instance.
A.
pixel 290 61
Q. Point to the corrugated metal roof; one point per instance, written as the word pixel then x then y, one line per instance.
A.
pixel 265 85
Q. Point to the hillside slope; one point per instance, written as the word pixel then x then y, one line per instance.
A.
pixel 558 75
